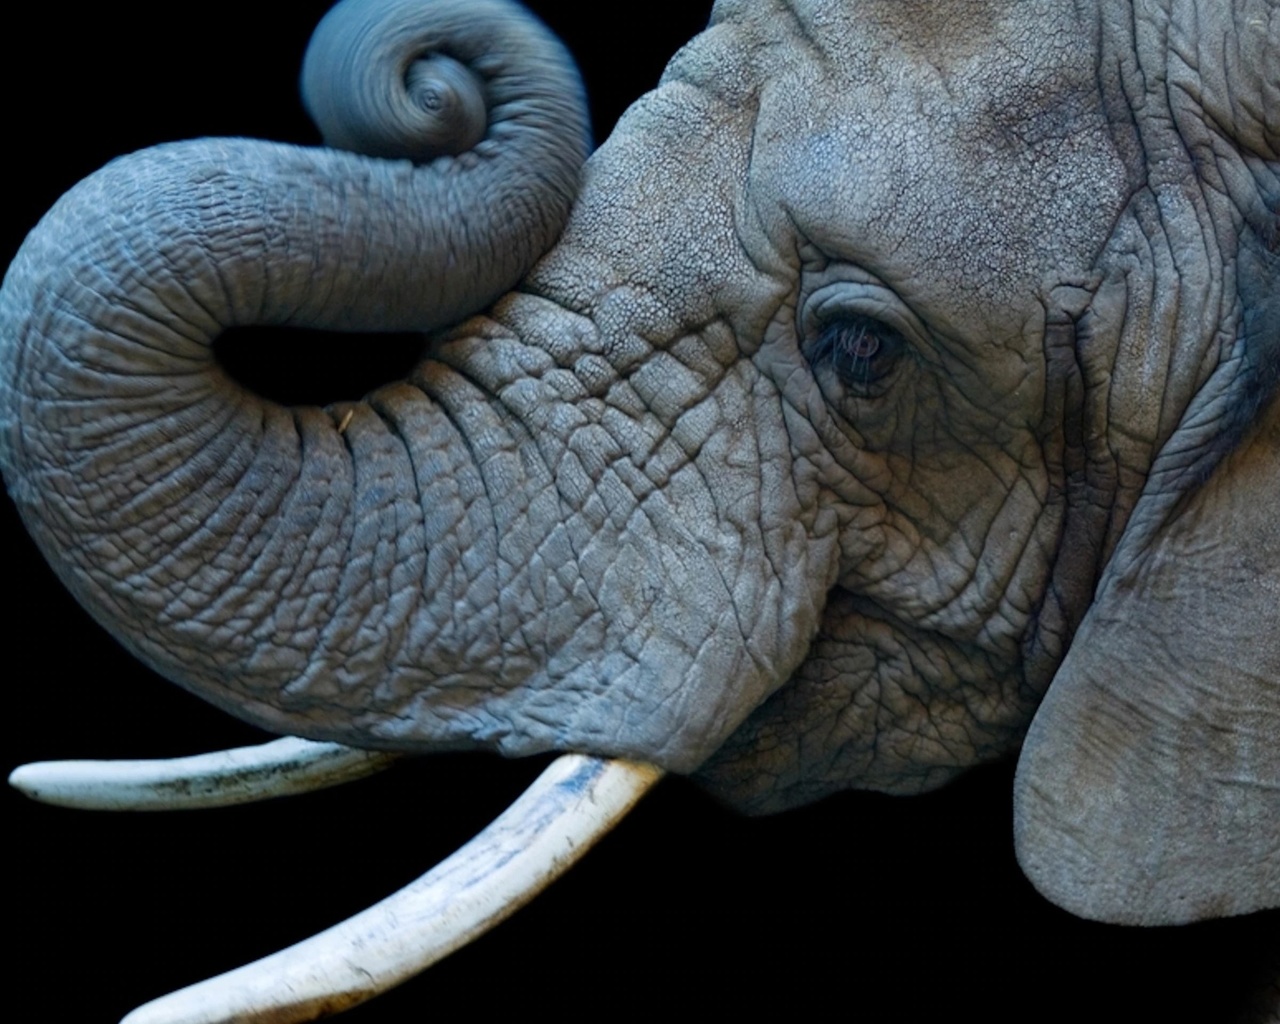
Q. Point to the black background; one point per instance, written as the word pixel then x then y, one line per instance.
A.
pixel 868 907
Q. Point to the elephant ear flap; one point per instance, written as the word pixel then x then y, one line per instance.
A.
pixel 1148 790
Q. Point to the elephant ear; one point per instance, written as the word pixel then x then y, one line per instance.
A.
pixel 1148 790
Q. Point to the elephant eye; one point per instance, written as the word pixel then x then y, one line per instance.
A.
pixel 862 351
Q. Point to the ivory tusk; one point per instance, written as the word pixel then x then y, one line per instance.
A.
pixel 284 767
pixel 554 822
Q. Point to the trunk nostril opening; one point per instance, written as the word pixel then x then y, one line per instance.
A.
pixel 300 366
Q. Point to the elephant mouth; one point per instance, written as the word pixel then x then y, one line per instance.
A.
pixel 545 832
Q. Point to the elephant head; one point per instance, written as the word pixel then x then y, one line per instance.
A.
pixel 900 393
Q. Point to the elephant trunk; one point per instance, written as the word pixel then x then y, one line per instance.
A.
pixel 271 558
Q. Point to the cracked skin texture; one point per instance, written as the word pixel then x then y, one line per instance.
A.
pixel 641 513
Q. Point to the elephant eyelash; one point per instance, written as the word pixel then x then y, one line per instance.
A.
pixel 862 351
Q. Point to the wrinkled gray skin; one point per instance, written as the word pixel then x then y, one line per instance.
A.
pixel 637 509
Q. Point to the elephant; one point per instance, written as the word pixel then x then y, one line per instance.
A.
pixel 1261 333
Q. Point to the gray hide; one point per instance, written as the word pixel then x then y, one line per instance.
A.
pixel 813 837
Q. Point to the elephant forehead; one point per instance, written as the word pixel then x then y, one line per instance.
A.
pixel 970 170
pixel 945 34
pixel 658 220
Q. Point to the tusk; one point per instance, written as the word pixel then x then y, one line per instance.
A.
pixel 284 767
pixel 557 819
